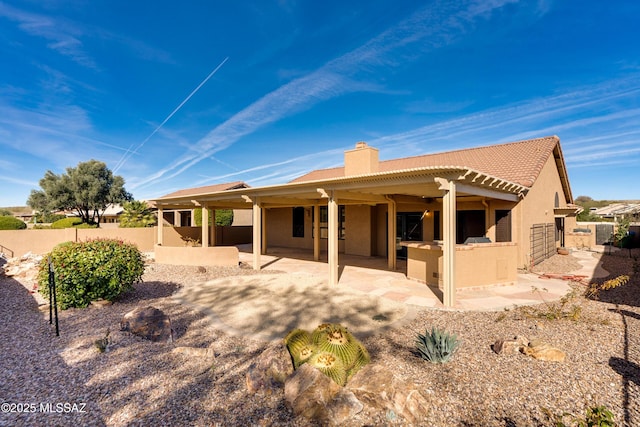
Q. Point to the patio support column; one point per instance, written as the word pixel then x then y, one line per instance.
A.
pixel 316 232
pixel 214 240
pixel 449 241
pixel 257 233
pixel 160 225
pixel 177 218
pixel 205 227
pixel 391 233
pixel 333 239
pixel 263 247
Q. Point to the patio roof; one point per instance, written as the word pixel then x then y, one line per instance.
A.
pixel 367 188
pixel 503 171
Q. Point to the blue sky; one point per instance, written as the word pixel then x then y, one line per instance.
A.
pixel 173 95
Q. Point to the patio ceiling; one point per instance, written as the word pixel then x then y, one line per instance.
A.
pixel 361 189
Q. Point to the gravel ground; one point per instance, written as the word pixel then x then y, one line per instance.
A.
pixel 142 383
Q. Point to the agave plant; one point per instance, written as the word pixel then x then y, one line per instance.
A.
pixel 437 346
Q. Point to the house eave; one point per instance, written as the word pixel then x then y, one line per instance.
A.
pixel 378 183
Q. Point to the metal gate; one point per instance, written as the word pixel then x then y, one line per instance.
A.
pixel 604 233
pixel 543 242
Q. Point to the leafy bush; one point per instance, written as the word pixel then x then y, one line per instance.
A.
pixel 437 346
pixel 91 270
pixel 595 416
pixel 72 222
pixel 47 217
pixel 11 223
pixel 224 217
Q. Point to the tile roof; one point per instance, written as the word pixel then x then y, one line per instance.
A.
pixel 207 189
pixel 519 162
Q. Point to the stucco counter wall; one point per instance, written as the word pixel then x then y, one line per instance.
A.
pixel 476 264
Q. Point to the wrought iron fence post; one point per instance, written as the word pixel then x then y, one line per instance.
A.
pixel 53 300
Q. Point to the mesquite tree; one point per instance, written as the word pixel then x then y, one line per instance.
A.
pixel 86 189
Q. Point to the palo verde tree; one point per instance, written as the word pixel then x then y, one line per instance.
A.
pixel 86 189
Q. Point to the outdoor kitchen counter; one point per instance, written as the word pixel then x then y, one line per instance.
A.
pixel 476 264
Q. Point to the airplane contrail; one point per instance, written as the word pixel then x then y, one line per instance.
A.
pixel 130 152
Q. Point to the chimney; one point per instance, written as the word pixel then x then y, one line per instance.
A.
pixel 362 160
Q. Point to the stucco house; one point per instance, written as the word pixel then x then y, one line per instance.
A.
pixel 463 218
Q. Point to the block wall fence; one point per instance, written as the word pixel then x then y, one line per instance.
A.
pixel 16 243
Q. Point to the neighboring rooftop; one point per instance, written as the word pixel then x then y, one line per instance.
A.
pixel 616 209
pixel 207 189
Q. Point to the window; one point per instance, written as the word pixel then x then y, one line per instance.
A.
pixel 469 224
pixel 324 222
pixel 436 225
pixel 503 225
pixel 298 222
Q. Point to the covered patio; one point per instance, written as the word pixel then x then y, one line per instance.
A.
pixel 430 188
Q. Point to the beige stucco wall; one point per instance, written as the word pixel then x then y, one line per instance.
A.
pixel 475 265
pixel 359 234
pixel 226 256
pixel 19 242
pixel 279 225
pixel 242 217
pixel 15 243
pixel 579 240
pixel 536 208
pixel 225 235
pixel 280 229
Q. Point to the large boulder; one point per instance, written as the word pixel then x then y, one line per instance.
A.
pixel 342 407
pixel 149 323
pixel 378 388
pixel 308 392
pixel 269 370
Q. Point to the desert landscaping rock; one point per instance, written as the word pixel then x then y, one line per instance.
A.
pixel 270 370
pixel 512 346
pixel 149 323
pixel 308 392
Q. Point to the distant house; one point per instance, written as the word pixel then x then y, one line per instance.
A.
pixel 619 211
pixel 461 218
pixel 111 214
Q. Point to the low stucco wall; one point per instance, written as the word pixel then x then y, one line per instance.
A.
pixel 15 243
pixel 224 256
pixel 579 240
pixel 225 235
pixel 476 265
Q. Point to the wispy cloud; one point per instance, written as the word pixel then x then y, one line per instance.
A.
pixel 429 28
pixel 587 115
pixel 130 152
pixel 62 36
pixel 68 37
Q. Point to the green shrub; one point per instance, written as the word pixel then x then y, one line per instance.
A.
pixel 72 222
pixel 224 217
pixel 595 416
pixel 91 270
pixel 437 346
pixel 47 218
pixel 11 223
